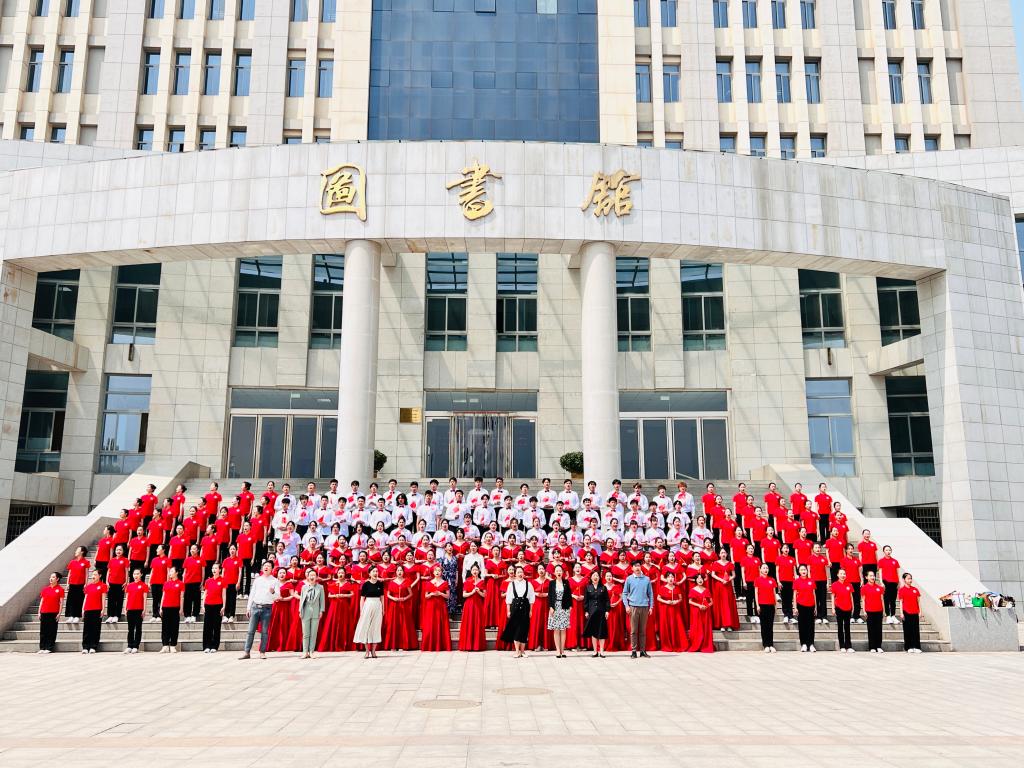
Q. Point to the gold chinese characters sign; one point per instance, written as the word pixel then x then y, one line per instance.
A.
pixel 343 190
pixel 610 193
pixel 471 190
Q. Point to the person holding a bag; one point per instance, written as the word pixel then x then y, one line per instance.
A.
pixel 910 605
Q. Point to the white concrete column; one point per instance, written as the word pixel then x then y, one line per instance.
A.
pixel 357 387
pixel 599 386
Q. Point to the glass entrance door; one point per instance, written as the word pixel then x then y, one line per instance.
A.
pixel 674 448
pixel 480 444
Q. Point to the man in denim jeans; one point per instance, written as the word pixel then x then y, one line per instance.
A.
pixel 264 592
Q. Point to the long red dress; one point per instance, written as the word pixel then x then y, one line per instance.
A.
pixel 399 633
pixel 494 601
pixel 724 613
pixel 285 626
pixel 540 639
pixel 339 622
pixel 617 632
pixel 673 633
pixel 653 625
pixel 701 635
pixel 437 633
pixel 472 636
pixel 502 619
pixel 574 637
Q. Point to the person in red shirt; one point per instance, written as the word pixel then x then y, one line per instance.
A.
pixel 803 548
pixel 767 595
pixel 835 548
pixel 78 572
pixel 192 576
pixel 158 567
pixel 149 500
pixel 135 594
pixel 231 572
pixel 873 594
pixel 117 577
pixel 851 564
pixel 868 551
pixel 806 602
pixel 155 535
pixel 104 547
pixel 138 550
pixel 823 503
pixel 797 500
pixel 50 598
pixel 246 499
pixel 819 574
pixel 170 611
pixel 910 604
pixel 770 547
pixel 889 567
pixel 708 499
pixel 214 593
pixel 785 572
pixel 178 548
pixel 773 500
pixel 842 602
pixel 212 500
pixel 178 501
pixel 751 566
pixel 95 600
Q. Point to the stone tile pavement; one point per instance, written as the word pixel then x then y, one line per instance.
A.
pixel 938 710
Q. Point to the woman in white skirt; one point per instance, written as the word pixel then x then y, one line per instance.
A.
pixel 371 613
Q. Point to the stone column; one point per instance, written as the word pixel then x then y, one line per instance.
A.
pixel 599 382
pixel 357 384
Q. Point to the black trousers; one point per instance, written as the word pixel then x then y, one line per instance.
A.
pixel 230 601
pixel 822 527
pixel 771 569
pixel 749 593
pixel 76 596
pixel 786 594
pixel 133 564
pixel 158 597
pixel 767 615
pixel 867 568
pixel 805 623
pixel 171 622
pixel 891 589
pixel 246 577
pixel 192 595
pixel 211 627
pixel 115 600
pixel 47 631
pixel 134 628
pixel 101 567
pixel 911 631
pixel 843 618
pixel 821 599
pixel 737 580
pixel 177 565
pixel 833 571
pixel 856 599
pixel 91 631
pixel 874 630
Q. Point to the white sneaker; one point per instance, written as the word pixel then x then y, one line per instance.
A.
pixel 803 649
pixel 756 619
pixel 174 649
pixel 918 650
pixel 92 650
pixel 164 649
pixel 879 650
pixel 772 649
pixel 69 620
pixel 85 651
pixel 850 650
pixel 153 619
pixel 126 651
pixel 860 621
pixel 767 650
pixel 825 622
pixel 206 650
pixel 213 650
pixel 812 649
pixel 40 651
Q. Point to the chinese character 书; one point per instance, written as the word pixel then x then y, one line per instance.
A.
pixel 471 190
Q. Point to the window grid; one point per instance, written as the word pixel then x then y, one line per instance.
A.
pixel 668 13
pixel 896 82
pixel 643 83
pixel 182 65
pixel 243 69
pixel 211 74
pixel 65 67
pixel 807 14
pixel 328 287
pixel 670 82
pixel 778 14
pixel 812 76
pixel 723 80
pixel 701 286
pixel 34 71
pixel 899 313
pixel 56 303
pixel 150 72
pixel 910 434
pixel 632 286
pixel 917 13
pixel 720 10
pixel 783 91
pixel 325 78
pixel 296 85
pixel 517 302
pixel 447 285
pixel 830 426
pixel 749 9
pixel 889 14
pixel 259 297
pixel 753 72
pixel 821 309
pixel 136 295
pixel 924 81
pixel 125 424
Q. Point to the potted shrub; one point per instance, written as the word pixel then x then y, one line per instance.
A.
pixel 572 463
pixel 379 460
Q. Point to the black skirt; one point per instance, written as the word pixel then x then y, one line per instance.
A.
pixel 517 629
pixel 596 626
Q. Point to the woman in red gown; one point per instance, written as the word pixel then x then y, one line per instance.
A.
pixel 616 616
pixel 724 613
pixel 506 579
pixel 577 585
pixel 399 624
pixel 283 617
pixel 472 636
pixel 670 599
pixel 334 631
pixel 540 638
pixel 494 602
pixel 620 570
pixel 701 635
pixel 437 634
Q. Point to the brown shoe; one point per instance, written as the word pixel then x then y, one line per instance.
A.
pixel 244 656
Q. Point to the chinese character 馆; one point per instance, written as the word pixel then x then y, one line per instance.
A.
pixel 471 190
pixel 343 190
pixel 610 193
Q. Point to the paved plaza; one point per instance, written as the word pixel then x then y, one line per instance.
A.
pixel 425 710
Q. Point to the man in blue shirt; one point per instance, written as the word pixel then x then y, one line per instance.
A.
pixel 638 597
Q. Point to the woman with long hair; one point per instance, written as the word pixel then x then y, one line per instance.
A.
pixel 701 637
pixel 78 574
pixel 670 606
pixel 437 635
pixel 472 635
pixel 95 601
pixel 540 638
pixel 560 604
pixel 400 623
pixel 596 607
pixel 50 598
pixel 519 596
pixel 135 604
pixel 724 613
pixel 618 627
pixel 371 613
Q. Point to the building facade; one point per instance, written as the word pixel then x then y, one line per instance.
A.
pixel 711 313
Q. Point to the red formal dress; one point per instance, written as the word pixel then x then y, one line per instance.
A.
pixel 502 618
pixel 670 625
pixel 617 629
pixel 653 622
pixel 437 634
pixel 701 635
pixel 494 602
pixel 540 637
pixel 285 626
pixel 471 630
pixel 399 633
pixel 724 613
pixel 339 621
pixel 574 637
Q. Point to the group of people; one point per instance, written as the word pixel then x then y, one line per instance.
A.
pixel 393 570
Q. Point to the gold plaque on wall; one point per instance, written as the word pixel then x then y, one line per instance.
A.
pixel 410 415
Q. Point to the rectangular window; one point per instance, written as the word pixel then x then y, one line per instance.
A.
pixel 758 145
pixel 27 132
pixel 175 139
pixel 41 8
pixel 182 64
pixel 325 78
pixel 670 82
pixel 56 303
pixel 821 309
pixel 236 137
pixel 750 14
pixel 41 433
pixel 787 147
pixel 292 138
pixel 896 82
pixel 34 71
pixel 917 13
pixel 517 302
pixel 259 297
pixel 328 11
pixel 889 14
pixel 144 139
pixel 703 306
pixel 58 133
pixel 211 74
pixel 727 143
pixel 910 431
pixel 447 285
pixel 65 68
pixel 778 14
pixel 125 424
pixel 300 10
pixel 754 81
pixel 899 315
pixel 783 91
pixel 633 288
pixel 156 9
pixel 246 10
pixel 243 68
pixel 136 296
pixel 812 80
pixel 807 9
pixel 723 79
pixel 720 9
pixel 924 81
pixel 71 8
pixel 150 72
pixel 643 83
pixel 187 9
pixel 931 143
pixel 328 284
pixel 640 15
pixel 830 426
pixel 207 138
pixel 668 13
pixel 296 77
pixel 1018 225
pixel 216 10
pixel 902 144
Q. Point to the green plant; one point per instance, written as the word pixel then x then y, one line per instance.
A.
pixel 379 460
pixel 572 462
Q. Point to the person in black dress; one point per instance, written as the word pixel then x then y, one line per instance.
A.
pixel 518 601
pixel 596 607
